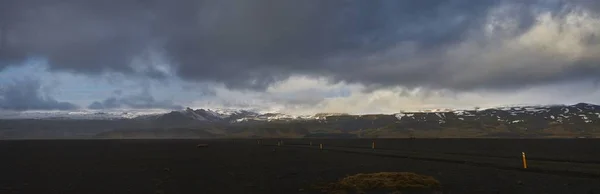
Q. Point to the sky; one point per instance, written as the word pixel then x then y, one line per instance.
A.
pixel 297 57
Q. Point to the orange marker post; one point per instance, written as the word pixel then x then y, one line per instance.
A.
pixel 373 145
pixel 524 160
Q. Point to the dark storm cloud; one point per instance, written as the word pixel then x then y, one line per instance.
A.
pixel 143 100
pixel 252 44
pixel 27 95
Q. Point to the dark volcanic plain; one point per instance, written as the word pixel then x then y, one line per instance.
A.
pixel 243 166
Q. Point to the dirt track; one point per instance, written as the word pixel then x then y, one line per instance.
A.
pixel 240 166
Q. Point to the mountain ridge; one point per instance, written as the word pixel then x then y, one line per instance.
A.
pixel 244 115
pixel 576 120
pixel 552 110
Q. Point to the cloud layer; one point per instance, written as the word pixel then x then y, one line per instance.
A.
pixel 27 94
pixel 455 46
pixel 143 100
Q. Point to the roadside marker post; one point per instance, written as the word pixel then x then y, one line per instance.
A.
pixel 321 146
pixel 373 145
pixel 278 143
pixel 524 160
pixel 311 143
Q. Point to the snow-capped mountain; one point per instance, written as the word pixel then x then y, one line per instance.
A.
pixel 80 114
pixel 580 115
pixel 578 120
pixel 229 116
pixel 582 112
pixel 577 113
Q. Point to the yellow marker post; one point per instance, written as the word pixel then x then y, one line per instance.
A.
pixel 320 146
pixel 373 145
pixel 524 160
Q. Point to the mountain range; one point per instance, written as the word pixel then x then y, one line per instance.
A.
pixel 577 120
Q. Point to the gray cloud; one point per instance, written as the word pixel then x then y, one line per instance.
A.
pixel 201 89
pixel 108 103
pixel 143 100
pixel 252 44
pixel 27 95
pixel 118 92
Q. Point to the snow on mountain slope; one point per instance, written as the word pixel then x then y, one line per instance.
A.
pixel 579 113
pixel 81 114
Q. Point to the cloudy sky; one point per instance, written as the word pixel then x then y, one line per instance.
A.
pixel 298 57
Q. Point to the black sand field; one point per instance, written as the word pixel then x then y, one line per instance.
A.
pixel 242 166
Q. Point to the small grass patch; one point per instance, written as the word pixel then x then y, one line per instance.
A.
pixel 390 181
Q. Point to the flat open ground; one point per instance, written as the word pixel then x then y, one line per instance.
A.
pixel 243 166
